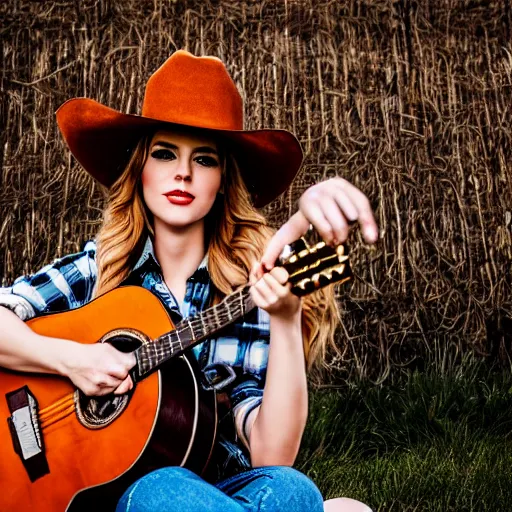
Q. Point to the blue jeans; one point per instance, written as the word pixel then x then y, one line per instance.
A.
pixel 269 489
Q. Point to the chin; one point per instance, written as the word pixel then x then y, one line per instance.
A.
pixel 181 216
pixel 181 221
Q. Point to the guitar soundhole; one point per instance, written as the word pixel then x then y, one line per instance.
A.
pixel 100 411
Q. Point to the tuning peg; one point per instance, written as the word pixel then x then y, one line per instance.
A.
pixel 287 254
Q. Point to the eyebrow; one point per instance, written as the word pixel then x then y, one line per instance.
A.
pixel 200 149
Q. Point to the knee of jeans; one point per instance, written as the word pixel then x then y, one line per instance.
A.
pixel 154 489
pixel 298 486
pixel 164 475
pixel 174 472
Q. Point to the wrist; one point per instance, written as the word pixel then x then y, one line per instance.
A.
pixel 292 317
pixel 60 355
pixel 290 324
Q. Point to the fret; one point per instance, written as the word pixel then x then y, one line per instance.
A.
pixel 178 335
pixel 150 357
pixel 228 308
pixel 158 352
pixel 208 318
pixel 171 347
pixel 191 330
pixel 239 303
pixel 185 331
pixel 176 345
pixel 216 314
pixel 176 342
pixel 242 312
pixel 204 321
pixel 247 299
pixel 203 326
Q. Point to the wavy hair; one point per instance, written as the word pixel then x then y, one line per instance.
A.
pixel 236 237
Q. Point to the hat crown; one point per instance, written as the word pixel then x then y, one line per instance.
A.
pixel 195 91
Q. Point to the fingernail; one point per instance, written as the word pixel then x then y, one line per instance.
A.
pixel 372 234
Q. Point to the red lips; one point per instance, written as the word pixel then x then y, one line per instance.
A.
pixel 179 193
pixel 179 197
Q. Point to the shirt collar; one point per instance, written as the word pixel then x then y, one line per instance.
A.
pixel 149 253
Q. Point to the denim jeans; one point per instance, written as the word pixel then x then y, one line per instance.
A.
pixel 269 489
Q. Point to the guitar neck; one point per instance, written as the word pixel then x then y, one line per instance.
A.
pixel 191 331
pixel 309 268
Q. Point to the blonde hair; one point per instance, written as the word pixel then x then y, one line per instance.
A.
pixel 237 235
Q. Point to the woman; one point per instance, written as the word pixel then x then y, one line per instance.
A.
pixel 181 222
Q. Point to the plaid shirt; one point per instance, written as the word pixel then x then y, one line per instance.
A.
pixel 69 283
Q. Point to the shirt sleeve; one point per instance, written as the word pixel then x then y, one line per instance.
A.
pixel 247 394
pixel 65 284
pixel 252 391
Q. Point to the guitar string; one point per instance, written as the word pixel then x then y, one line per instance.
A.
pixel 198 321
pixel 156 352
pixel 55 406
pixel 158 349
pixel 165 346
pixel 47 422
pixel 66 406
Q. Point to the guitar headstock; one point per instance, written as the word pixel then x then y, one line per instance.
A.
pixel 316 266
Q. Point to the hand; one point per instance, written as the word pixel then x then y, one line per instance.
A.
pixel 271 292
pixel 330 206
pixel 98 369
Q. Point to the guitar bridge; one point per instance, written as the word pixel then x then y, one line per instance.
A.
pixel 25 432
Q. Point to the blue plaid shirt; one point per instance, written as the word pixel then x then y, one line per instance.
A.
pixel 69 283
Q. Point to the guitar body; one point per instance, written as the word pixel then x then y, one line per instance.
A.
pixel 61 450
pixel 96 448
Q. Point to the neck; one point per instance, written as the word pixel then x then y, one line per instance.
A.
pixel 191 331
pixel 179 251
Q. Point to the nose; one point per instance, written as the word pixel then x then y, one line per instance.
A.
pixel 183 170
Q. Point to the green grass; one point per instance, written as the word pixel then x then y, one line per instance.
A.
pixel 426 443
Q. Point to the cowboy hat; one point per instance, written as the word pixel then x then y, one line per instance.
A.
pixel 188 91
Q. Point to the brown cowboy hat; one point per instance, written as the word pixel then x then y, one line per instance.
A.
pixel 189 91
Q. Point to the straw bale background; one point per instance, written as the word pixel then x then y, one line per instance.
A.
pixel 410 101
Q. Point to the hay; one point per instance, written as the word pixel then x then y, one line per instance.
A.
pixel 410 101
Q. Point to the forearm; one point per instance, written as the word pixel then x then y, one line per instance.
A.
pixel 23 350
pixel 280 421
pixel 96 369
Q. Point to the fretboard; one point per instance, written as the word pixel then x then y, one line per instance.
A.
pixel 191 331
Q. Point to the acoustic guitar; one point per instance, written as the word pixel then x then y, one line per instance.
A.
pixel 63 450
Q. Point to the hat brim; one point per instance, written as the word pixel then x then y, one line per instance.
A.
pixel 102 138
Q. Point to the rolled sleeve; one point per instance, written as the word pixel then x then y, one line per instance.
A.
pixel 65 284
pixel 17 304
pixel 245 397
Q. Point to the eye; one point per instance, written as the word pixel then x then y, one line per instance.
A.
pixel 163 154
pixel 207 161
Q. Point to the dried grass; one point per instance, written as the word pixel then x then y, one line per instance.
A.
pixel 410 101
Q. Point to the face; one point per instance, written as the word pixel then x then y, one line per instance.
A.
pixel 181 177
